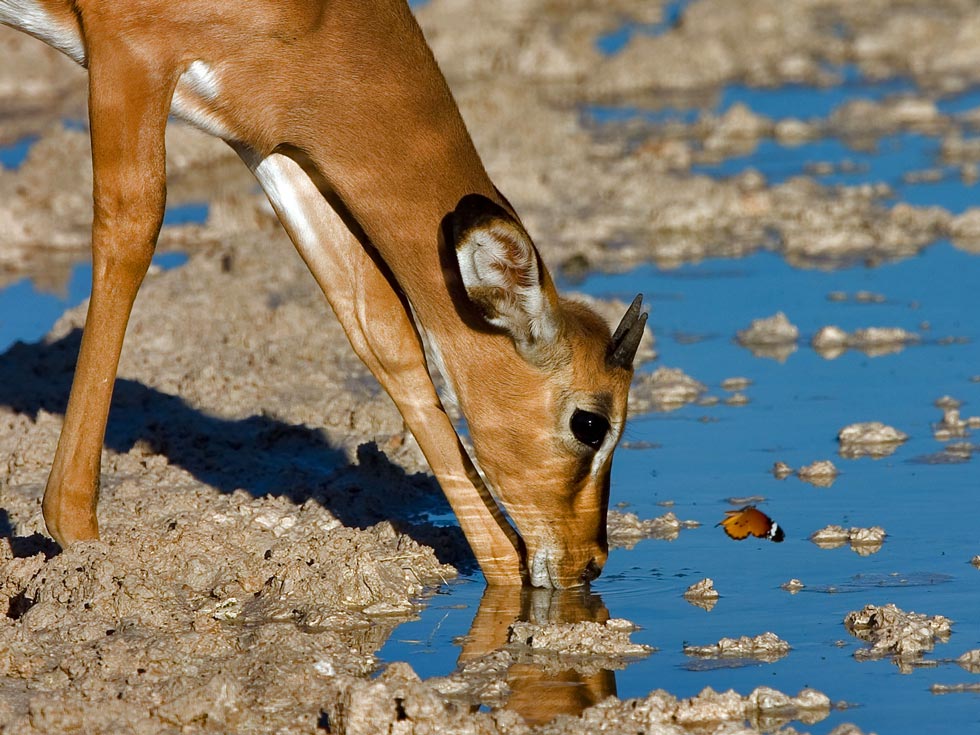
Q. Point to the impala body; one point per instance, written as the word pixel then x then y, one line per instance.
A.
pixel 340 110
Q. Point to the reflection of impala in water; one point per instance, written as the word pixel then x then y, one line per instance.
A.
pixel 340 110
pixel 539 692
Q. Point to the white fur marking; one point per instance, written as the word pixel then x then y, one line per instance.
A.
pixel 201 79
pixel 608 444
pixel 196 87
pixel 191 110
pixel 433 356
pixel 447 394
pixel 30 17
pixel 539 571
pixel 273 174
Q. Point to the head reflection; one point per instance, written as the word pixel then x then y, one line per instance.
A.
pixel 541 686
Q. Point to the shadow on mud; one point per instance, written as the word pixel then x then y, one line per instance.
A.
pixel 23 547
pixel 259 454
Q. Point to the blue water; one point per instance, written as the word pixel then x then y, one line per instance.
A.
pixel 894 156
pixel 614 41
pixel 807 101
pixel 801 101
pixel 28 313
pixel 12 156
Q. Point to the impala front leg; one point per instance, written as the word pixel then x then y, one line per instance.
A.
pixel 128 106
pixel 384 337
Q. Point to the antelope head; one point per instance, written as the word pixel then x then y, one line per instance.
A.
pixel 547 405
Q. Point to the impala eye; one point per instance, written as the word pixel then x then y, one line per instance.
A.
pixel 589 428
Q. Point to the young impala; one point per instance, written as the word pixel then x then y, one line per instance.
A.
pixel 340 110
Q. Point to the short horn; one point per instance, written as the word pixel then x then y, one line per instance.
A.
pixel 628 318
pixel 626 338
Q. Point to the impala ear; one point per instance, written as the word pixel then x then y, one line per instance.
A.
pixel 503 274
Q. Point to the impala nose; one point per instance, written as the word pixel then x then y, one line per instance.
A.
pixel 591 571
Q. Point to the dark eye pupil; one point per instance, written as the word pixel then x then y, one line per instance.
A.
pixel 589 428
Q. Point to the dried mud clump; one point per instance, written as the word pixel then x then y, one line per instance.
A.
pixel 832 341
pixel 864 119
pixel 703 590
pixel 773 337
pixel 737 399
pixel 702 594
pixel 821 473
pixel 964 229
pixel 970 661
pixel 625 530
pixel 973 686
pixel 869 439
pixel 863 541
pixel 398 700
pixel 665 389
pixel 891 631
pixel 736 383
pixel 766 647
pixel 266 601
pixel 781 470
pixel 793 586
pixel 858 297
pixel 559 645
pixel 773 330
pixel 953 425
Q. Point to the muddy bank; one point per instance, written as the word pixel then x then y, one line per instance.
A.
pixel 244 513
pixel 397 696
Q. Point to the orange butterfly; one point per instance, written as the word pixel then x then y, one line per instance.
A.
pixel 750 521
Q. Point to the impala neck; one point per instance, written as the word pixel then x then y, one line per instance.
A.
pixel 399 156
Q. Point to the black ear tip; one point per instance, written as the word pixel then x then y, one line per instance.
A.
pixel 472 201
pixel 474 210
pixel 477 206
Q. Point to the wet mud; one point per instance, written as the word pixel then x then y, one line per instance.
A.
pixel 892 632
pixel 863 541
pixel 766 647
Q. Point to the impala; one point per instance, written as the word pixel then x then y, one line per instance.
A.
pixel 339 109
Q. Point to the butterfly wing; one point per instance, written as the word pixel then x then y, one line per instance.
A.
pixel 750 521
